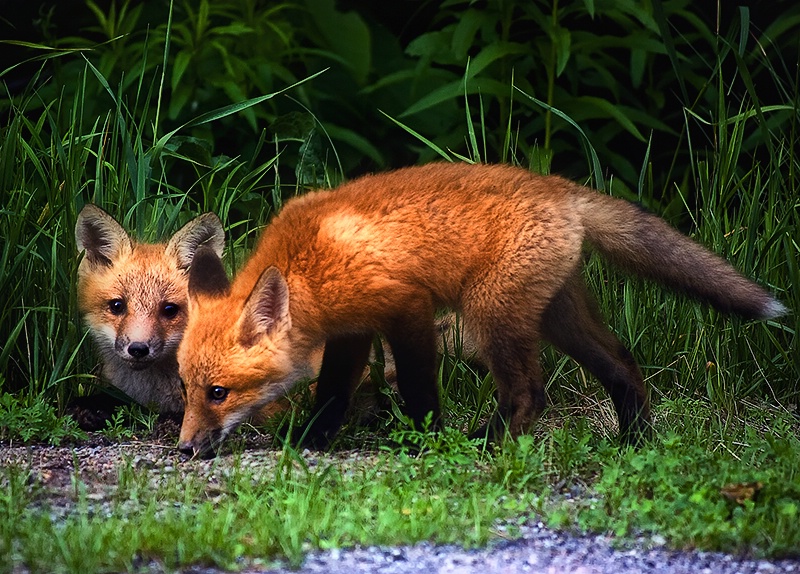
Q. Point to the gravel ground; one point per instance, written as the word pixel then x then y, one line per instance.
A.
pixel 539 549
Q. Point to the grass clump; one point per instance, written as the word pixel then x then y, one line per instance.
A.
pixel 30 420
pixel 740 495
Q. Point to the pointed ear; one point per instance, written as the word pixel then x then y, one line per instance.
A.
pixel 207 275
pixel 266 309
pixel 100 236
pixel 206 230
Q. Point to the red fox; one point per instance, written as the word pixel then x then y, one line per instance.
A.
pixel 133 297
pixel 382 253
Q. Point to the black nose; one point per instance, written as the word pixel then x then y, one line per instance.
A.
pixel 138 350
pixel 186 448
pixel 203 453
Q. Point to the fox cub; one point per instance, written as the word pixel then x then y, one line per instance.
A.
pixel 133 298
pixel 382 253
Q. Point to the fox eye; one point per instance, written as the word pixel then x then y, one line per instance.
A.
pixel 169 310
pixel 217 394
pixel 116 306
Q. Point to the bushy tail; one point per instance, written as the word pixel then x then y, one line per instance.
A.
pixel 646 245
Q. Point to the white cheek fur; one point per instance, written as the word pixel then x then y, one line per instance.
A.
pixel 232 421
pixel 105 336
pixel 269 393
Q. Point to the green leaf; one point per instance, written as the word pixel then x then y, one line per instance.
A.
pixel 562 41
pixel 233 29
pixel 744 28
pixel 613 111
pixel 357 141
pixel 445 93
pixel 456 89
pixel 345 34
pixel 429 45
pixel 180 96
pixel 236 94
pixel 420 137
pixel 464 33
pixel 492 53
pixel 182 60
pixel 638 60
pixel 225 111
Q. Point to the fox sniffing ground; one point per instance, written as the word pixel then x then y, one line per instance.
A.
pixel 382 253
pixel 133 298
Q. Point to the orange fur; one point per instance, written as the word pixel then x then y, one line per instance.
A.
pixel 381 253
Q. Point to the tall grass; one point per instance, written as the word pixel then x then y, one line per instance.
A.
pixel 53 159
pixel 745 208
pixel 40 175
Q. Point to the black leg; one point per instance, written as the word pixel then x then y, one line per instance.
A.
pixel 514 363
pixel 412 339
pixel 343 363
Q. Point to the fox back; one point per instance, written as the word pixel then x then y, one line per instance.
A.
pixel 133 298
pixel 383 253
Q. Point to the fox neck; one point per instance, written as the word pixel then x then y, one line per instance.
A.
pixel 158 386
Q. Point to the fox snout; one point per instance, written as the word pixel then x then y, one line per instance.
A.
pixel 201 446
pixel 138 353
pixel 199 438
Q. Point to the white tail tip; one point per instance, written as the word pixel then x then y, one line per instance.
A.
pixel 775 309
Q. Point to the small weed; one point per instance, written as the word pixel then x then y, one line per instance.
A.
pixel 128 422
pixel 117 427
pixel 34 419
pixel 521 465
pixel 15 495
pixel 570 450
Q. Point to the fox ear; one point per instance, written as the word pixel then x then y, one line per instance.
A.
pixel 100 236
pixel 207 275
pixel 205 230
pixel 266 309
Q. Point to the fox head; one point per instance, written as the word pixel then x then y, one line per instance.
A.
pixel 133 296
pixel 236 355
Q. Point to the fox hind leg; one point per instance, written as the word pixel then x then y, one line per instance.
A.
pixel 573 324
pixel 507 340
pixel 514 364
